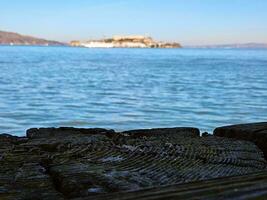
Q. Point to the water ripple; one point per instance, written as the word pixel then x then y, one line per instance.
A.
pixel 130 88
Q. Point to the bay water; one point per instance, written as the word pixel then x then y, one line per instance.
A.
pixel 125 89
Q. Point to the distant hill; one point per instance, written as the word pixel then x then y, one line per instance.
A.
pixel 9 38
pixel 233 46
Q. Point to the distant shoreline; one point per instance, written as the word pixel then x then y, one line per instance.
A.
pixel 182 48
pixel 15 39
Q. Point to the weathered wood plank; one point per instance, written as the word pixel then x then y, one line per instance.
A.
pixel 254 132
pixel 251 186
pixel 69 163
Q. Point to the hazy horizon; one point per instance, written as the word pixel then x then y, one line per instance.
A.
pixel 191 22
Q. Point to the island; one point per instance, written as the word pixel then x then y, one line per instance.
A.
pixel 132 41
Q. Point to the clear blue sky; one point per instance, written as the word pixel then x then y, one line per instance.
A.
pixel 186 21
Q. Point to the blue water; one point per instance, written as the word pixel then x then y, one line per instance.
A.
pixel 130 88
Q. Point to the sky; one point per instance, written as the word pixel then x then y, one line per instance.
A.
pixel 190 22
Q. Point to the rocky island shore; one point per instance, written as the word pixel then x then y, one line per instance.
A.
pixel 168 163
pixel 125 42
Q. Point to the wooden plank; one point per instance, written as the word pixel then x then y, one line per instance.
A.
pixel 251 186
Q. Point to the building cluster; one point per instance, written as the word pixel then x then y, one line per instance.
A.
pixel 125 42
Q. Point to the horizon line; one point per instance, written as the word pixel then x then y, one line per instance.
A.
pixel 145 35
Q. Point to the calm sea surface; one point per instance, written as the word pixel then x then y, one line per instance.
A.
pixel 130 88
